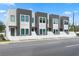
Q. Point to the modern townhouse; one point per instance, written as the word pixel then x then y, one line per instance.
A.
pixel 18 22
pixel 22 23
pixel 54 23
pixel 64 24
pixel 41 23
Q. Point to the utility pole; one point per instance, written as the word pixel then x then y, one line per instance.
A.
pixel 73 21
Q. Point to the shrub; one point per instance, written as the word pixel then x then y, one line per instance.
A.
pixel 2 37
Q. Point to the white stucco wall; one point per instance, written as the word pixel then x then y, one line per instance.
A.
pixel 42 25
pixel 65 27
pixel 55 26
pixel 33 15
pixel 11 12
pixel 8 21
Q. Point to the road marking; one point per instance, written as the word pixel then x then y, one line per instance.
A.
pixel 72 45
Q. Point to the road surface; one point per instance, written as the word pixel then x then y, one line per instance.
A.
pixel 62 47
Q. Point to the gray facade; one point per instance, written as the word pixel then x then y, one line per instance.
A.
pixel 51 25
pixel 62 23
pixel 25 12
pixel 37 15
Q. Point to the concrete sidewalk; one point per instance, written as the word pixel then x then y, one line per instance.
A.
pixel 31 40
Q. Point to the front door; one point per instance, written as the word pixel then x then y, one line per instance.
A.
pixel 12 31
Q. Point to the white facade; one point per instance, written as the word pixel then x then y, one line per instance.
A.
pixel 10 24
pixel 42 25
pixel 65 22
pixel 55 23
pixel 33 16
pixel 26 25
pixel 65 27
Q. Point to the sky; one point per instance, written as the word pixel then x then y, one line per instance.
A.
pixel 65 9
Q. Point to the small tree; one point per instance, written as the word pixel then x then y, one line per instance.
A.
pixel 2 27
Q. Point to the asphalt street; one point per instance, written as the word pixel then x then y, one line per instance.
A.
pixel 62 47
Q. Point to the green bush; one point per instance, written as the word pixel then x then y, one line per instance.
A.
pixel 2 37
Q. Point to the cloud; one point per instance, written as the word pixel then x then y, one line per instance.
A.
pixel 76 11
pixel 67 12
pixel 9 4
pixel 2 11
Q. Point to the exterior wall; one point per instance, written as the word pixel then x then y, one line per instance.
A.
pixel 24 24
pixel 51 25
pixel 10 24
pixel 39 25
pixel 62 25
pixel 9 13
pixel 48 22
pixel 33 16
pixel 36 25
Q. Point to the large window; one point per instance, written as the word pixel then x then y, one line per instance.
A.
pixel 66 22
pixel 24 18
pixel 55 21
pixel 27 31
pixel 42 31
pixel 12 18
pixel 27 18
pixel 42 19
pixel 32 20
pixel 22 31
pixel 55 31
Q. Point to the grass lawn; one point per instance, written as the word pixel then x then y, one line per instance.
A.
pixel 4 40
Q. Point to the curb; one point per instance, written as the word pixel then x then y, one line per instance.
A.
pixel 59 38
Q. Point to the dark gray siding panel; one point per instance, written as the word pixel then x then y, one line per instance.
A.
pixel 61 22
pixel 51 16
pixel 37 15
pixel 22 11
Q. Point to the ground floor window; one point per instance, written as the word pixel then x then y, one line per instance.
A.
pixel 27 31
pixel 42 31
pixel 22 31
pixel 55 31
pixel 66 31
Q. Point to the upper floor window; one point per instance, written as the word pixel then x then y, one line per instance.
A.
pixel 24 18
pixel 65 22
pixel 22 31
pixel 55 21
pixel 12 18
pixel 32 20
pixel 27 18
pixel 42 19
